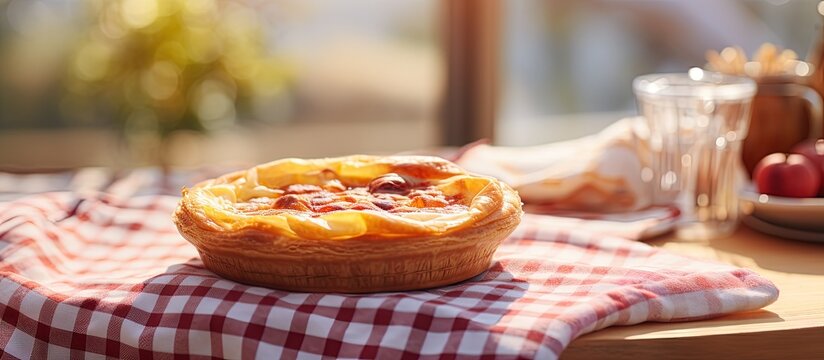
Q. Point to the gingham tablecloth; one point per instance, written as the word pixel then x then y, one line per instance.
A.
pixel 97 276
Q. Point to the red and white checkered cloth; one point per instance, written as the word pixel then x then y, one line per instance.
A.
pixel 97 276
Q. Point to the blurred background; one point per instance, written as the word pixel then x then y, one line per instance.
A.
pixel 124 83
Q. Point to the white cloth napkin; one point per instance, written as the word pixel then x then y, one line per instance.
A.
pixel 602 173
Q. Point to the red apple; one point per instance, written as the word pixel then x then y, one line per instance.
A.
pixel 813 150
pixel 787 175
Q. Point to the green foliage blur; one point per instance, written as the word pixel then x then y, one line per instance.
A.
pixel 152 66
pixel 164 65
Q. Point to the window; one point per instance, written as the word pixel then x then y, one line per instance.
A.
pixel 568 65
pixel 223 80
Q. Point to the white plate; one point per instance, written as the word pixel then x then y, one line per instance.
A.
pixel 636 225
pixel 806 214
pixel 780 231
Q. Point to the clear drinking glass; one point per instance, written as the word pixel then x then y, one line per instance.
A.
pixel 697 122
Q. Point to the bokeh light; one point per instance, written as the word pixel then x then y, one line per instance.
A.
pixel 139 13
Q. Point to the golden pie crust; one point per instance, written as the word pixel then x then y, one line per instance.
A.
pixel 349 224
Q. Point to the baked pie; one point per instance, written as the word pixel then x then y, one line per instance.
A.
pixel 349 224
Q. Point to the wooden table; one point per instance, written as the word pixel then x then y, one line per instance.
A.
pixel 790 328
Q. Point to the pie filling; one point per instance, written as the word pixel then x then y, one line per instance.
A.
pixel 342 198
pixel 390 193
